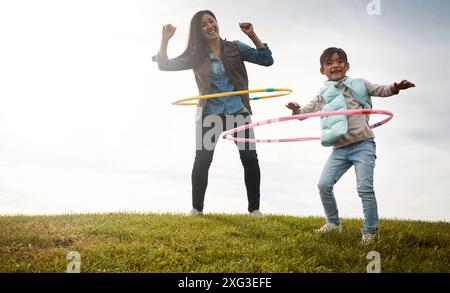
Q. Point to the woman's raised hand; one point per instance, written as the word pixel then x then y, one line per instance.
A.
pixel 246 27
pixel 168 31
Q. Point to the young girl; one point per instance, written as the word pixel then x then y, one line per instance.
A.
pixel 352 139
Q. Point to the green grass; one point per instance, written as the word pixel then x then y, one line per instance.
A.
pixel 215 243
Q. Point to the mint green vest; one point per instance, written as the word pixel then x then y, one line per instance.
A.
pixel 335 127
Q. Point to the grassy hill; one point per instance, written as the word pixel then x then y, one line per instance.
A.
pixel 215 243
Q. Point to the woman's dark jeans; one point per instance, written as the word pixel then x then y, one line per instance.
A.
pixel 212 126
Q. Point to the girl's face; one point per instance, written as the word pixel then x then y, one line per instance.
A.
pixel 335 68
pixel 209 27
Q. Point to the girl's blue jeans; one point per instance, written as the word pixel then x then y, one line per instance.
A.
pixel 362 156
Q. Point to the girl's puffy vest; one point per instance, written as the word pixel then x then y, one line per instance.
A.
pixel 335 127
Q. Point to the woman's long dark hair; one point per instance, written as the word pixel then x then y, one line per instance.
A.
pixel 197 48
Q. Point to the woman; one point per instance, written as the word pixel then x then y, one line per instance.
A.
pixel 218 66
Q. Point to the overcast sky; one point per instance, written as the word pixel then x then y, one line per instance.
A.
pixel 86 123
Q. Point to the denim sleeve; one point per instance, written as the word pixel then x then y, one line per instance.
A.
pixel 260 56
pixel 175 64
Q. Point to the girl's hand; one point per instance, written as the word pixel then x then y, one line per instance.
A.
pixel 247 28
pixel 295 107
pixel 168 31
pixel 403 85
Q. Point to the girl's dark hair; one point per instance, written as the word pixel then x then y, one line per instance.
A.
pixel 197 47
pixel 326 55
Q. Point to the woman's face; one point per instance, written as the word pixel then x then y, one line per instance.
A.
pixel 209 27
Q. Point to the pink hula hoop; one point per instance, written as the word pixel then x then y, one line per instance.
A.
pixel 228 134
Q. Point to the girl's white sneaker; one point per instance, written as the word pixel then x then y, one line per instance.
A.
pixel 369 238
pixel 329 227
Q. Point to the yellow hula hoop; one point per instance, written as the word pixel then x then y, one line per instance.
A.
pixel 184 102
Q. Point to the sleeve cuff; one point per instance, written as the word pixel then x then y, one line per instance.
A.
pixel 266 47
pixel 391 90
pixel 156 58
